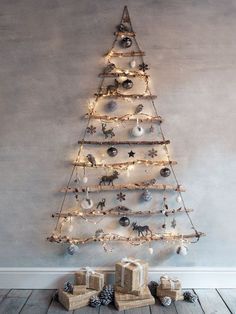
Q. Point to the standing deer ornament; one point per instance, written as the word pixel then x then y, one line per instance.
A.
pixel 107 133
pixel 109 179
pixel 141 229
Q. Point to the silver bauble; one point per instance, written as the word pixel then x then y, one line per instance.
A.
pixel 147 196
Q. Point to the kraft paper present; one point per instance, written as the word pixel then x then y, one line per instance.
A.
pixel 176 295
pixel 169 283
pixel 146 294
pixel 131 304
pixel 79 289
pixel 73 302
pixel 90 278
pixel 131 274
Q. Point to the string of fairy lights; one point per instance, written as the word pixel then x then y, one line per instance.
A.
pixel 82 163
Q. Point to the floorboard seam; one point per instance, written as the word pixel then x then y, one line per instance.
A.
pixel 224 301
pixel 52 298
pixel 26 301
pixel 199 301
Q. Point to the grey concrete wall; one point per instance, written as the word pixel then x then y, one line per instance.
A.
pixel 50 52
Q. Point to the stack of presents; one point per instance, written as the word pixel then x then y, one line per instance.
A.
pixel 131 287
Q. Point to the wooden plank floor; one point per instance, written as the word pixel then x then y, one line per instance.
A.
pixel 211 301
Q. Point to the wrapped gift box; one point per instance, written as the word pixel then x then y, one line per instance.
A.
pixel 131 274
pixel 131 304
pixel 79 289
pixel 90 279
pixel 125 290
pixel 73 302
pixel 131 297
pixel 175 295
pixel 169 283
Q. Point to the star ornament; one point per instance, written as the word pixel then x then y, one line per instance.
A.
pixel 131 153
pixel 121 197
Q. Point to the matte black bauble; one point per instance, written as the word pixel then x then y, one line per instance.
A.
pixel 165 172
pixel 126 42
pixel 127 84
pixel 111 105
pixel 112 151
pixel 124 221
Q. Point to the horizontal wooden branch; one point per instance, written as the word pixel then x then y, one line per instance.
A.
pixel 126 164
pixel 121 187
pixel 125 54
pixel 116 74
pixel 129 34
pixel 128 117
pixel 116 212
pixel 110 237
pixel 118 95
pixel 124 142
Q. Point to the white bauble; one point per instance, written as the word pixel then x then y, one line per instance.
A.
pixel 182 250
pixel 132 64
pixel 84 179
pixel 150 250
pixel 178 199
pixel 86 203
pixel 137 131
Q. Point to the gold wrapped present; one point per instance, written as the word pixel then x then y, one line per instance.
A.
pixel 176 295
pixel 169 283
pixel 131 304
pixel 90 279
pixel 79 289
pixel 130 275
pixel 146 294
pixel 73 302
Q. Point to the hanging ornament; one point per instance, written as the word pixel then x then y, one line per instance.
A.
pixel 137 130
pixel 124 221
pixel 91 159
pixel 109 67
pixel 182 249
pixel 107 133
pixel 122 28
pixel 127 84
pixel 84 180
pixel 86 203
pixel 152 153
pixel 150 250
pixel 138 109
pixel 165 172
pixel 121 197
pixel 151 129
pixel 147 196
pixel 126 42
pixel 112 151
pixel 132 64
pixel 173 223
pixel 72 249
pixel 178 199
pixel 101 204
pixel 131 153
pixel 91 129
pixel 143 67
pixel 111 105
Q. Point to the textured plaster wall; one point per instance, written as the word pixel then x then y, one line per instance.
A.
pixel 50 55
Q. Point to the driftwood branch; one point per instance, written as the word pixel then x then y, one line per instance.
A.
pixel 117 212
pixel 126 164
pixel 110 237
pixel 124 142
pixel 125 54
pixel 130 186
pixel 128 117
pixel 118 74
pixel 129 34
pixel 119 95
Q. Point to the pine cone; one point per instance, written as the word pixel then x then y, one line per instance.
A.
pixel 94 301
pixel 107 295
pixel 68 287
pixel 153 287
pixel 165 301
pixel 190 297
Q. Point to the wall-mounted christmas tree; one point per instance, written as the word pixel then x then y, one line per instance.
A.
pixel 123 178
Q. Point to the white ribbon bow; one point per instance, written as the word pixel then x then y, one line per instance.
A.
pixel 88 271
pixel 127 261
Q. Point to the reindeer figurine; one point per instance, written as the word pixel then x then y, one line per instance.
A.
pixel 112 89
pixel 109 179
pixel 141 229
pixel 107 133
